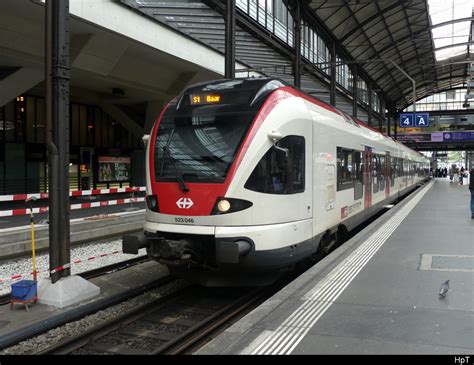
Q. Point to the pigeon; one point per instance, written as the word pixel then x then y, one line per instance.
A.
pixel 443 290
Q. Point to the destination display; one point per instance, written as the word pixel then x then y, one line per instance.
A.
pixel 203 99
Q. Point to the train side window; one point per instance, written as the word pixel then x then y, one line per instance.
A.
pixel 375 173
pixel 393 170
pixel 279 172
pixel 358 178
pixel 381 173
pixel 345 169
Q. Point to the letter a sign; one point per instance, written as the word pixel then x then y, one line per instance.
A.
pixel 422 120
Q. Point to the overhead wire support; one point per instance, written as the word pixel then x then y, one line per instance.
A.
pixel 230 39
pixel 339 63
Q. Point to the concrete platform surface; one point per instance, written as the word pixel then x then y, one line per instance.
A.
pixel 377 293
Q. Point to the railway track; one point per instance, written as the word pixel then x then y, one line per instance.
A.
pixel 169 325
pixel 175 324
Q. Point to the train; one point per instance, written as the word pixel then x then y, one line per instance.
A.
pixel 245 178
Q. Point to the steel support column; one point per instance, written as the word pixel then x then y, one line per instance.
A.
pixel 355 76
pixel 395 123
pixel 230 39
pixel 369 94
pixel 57 119
pixel 332 89
pixel 297 44
pixel 389 132
pixel 382 112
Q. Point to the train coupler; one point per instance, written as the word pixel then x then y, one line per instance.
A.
pixel 172 252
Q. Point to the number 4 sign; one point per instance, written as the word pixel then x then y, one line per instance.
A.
pixel 406 120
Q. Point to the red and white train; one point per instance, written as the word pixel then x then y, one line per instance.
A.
pixel 247 177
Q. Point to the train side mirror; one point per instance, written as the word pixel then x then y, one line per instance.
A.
pixel 275 137
pixel 145 139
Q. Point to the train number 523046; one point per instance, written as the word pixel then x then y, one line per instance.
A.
pixel 183 220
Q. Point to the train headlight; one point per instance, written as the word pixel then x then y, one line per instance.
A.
pixel 152 203
pixel 229 205
pixel 223 206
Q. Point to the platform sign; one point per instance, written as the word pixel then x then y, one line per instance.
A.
pixel 422 120
pixel 414 120
pixel 407 120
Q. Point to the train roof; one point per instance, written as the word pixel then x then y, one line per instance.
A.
pixel 256 83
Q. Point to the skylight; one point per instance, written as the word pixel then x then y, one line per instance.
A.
pixel 442 11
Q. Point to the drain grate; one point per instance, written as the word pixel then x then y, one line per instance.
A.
pixel 447 262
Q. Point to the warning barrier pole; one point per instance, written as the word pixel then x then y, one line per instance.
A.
pixel 33 249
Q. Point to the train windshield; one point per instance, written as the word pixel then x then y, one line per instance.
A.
pixel 201 131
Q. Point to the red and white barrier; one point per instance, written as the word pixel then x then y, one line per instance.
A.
pixel 57 269
pixel 4 198
pixel 23 211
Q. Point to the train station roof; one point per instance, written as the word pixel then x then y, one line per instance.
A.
pixel 430 40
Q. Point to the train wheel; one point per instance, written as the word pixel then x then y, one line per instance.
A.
pixel 327 241
pixel 341 236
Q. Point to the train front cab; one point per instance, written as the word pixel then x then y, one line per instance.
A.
pixel 229 183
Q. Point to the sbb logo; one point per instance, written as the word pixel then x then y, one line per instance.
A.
pixel 184 203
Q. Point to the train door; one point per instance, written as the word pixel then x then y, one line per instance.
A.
pixel 368 161
pixel 388 174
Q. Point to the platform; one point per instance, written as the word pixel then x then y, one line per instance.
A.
pixel 377 293
pixel 16 240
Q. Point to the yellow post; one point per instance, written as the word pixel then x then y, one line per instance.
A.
pixel 33 251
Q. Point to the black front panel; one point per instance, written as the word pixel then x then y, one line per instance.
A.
pixel 204 127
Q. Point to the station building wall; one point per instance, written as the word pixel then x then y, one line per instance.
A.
pixel 23 154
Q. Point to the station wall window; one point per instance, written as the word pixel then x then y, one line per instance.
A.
pixel 111 131
pixel 23 120
pixel 83 125
pixel 30 120
pixel 9 125
pixel 75 124
pixel 278 172
pixel 2 123
pixel 40 121
pixel 20 117
pixel 98 127
pixel 105 130
pixel 90 125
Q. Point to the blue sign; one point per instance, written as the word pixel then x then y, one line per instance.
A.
pixel 406 120
pixel 414 120
pixel 422 120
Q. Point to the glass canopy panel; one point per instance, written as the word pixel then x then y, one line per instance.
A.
pixel 442 11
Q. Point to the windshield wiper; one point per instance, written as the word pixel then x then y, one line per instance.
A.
pixel 179 174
